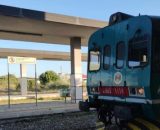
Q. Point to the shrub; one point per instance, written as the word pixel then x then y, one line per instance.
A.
pixel 48 77
pixel 31 84
pixel 59 84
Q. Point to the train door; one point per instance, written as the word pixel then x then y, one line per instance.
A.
pixel 138 61
pixel 119 64
pixel 106 74
pixel 94 65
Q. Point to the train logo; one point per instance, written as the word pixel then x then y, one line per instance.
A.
pixel 117 78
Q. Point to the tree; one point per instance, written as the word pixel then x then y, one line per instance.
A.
pixel 14 83
pixel 31 84
pixel 48 76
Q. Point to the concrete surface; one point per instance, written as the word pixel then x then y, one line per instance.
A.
pixel 39 54
pixel 23 110
pixel 37 26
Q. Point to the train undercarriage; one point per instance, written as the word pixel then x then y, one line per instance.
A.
pixel 129 116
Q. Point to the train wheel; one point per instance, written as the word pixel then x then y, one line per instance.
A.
pixel 105 115
pixel 117 121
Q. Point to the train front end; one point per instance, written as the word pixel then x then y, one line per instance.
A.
pixel 123 80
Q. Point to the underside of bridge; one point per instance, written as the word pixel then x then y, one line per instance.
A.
pixel 36 26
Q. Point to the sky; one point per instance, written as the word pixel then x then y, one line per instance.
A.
pixel 93 9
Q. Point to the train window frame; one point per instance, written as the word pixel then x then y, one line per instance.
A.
pixel 89 59
pixel 118 43
pixel 106 68
pixel 147 54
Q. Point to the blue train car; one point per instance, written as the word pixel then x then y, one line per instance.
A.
pixel 124 68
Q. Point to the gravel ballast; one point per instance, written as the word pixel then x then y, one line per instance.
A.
pixel 63 121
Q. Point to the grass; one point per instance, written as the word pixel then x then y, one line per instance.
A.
pixel 29 92
pixel 33 100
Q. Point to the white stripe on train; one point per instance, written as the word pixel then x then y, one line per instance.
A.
pixel 132 100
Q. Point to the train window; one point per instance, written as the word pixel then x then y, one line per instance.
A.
pixel 138 51
pixel 106 58
pixel 94 60
pixel 120 54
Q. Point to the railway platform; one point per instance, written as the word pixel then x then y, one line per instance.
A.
pixel 46 108
pixel 30 109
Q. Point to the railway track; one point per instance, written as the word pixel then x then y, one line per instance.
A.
pixel 143 124
pixel 62 121
pixel 44 116
pixel 135 124
pixel 79 120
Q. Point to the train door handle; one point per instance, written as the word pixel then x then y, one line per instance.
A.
pixel 125 83
pixel 100 83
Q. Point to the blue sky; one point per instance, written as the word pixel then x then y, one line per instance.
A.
pixel 94 9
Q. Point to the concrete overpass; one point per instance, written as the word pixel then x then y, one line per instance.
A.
pixel 37 26
pixel 42 55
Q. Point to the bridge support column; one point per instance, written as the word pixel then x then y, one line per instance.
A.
pixel 76 70
pixel 23 79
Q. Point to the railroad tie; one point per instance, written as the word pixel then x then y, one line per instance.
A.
pixel 100 125
pixel 142 124
pixel 136 124
pixel 131 126
pixel 148 124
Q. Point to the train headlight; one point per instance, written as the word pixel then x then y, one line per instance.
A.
pixel 140 91
pixel 94 90
pixel 134 91
pixel 114 18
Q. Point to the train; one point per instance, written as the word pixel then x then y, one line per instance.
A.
pixel 123 75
